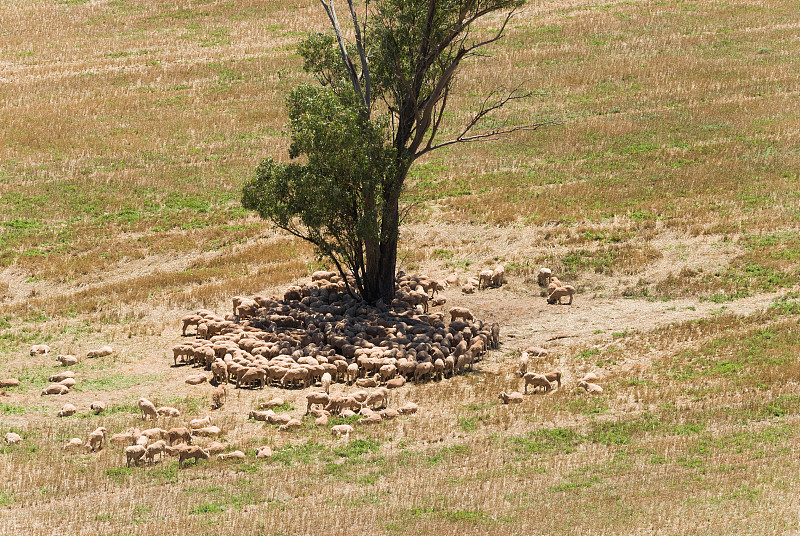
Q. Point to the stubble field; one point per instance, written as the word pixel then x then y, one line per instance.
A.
pixel 667 195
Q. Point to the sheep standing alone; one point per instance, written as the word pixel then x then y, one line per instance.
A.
pixel 147 408
pixel 95 440
pixel 219 396
pixel 342 430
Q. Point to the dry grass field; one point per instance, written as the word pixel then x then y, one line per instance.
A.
pixel 668 195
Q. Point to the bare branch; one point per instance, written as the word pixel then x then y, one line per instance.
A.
pixel 362 54
pixel 482 137
pixel 348 63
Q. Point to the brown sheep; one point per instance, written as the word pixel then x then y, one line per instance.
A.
pixel 186 452
pixel 561 292
pixel 537 380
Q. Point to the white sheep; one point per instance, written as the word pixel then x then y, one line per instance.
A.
pixel 9 382
pixel 341 430
pixel 67 360
pixel 561 292
pixel 219 396
pixel 95 440
pixel 147 408
pixel 98 407
pixel 167 411
pixel 498 276
pixel 200 423
pixel 326 382
pixel 484 279
pixel 157 447
pixel 40 349
pixel 543 277
pixel 100 352
pixel 510 398
pixel 12 438
pixel 67 410
pixel 591 388
pixel 263 452
pixel 69 383
pixel 55 389
pixel 537 380
pixel 196 379
pixel 208 431
pixel 293 423
pixel 522 369
pixel 74 444
pixel 134 453
pixel 55 378
pixel 235 455
pixel 315 398
pixel 409 408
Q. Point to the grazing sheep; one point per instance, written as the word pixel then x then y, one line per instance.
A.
pixel 9 382
pixel 67 410
pixel 74 444
pixel 498 276
pixel 561 292
pixel 167 411
pixel 543 277
pixel 215 447
pixel 12 438
pixel 186 452
pixel 154 434
pixel 591 388
pixel 317 398
pixel 147 408
pixel 341 430
pixel 126 438
pixel 67 360
pixel 55 378
pixel 208 431
pixel 219 396
pixel 235 455
pixel 196 379
pixel 100 352
pixel 157 447
pixel 537 380
pixel 179 434
pixel 40 349
pixel 95 440
pixel 134 453
pixel 97 407
pixel 460 312
pixel 510 398
pixel 199 423
pixel 263 452
pixel 409 408
pixel 378 396
pixel 55 389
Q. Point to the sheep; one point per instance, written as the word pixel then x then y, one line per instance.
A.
pixel 498 276
pixel 235 455
pixel 219 371
pixel 261 415
pixel 325 382
pixel 352 373
pixel 12 438
pixel 422 371
pixel 74 444
pixel 553 376
pixel 389 414
pixel 167 411
pixel 55 389
pixel 95 440
pixel 55 378
pixel 396 382
pixel 67 360
pixel 40 349
pixel 154 434
pixel 69 383
pixel 341 431
pixel 179 434
pixel 373 418
pixel 484 279
pixel 196 379
pixel 322 420
pixel 522 369
pixel 278 419
pixel 263 452
pixel 147 408
pixel 468 288
pixel 219 396
pixel 460 312
pixel 275 402
pixel 67 410
pixel 157 447
pixel 97 407
pixel 553 284
pixel 126 438
pixel 9 382
pixel 317 398
pixel 591 388
pixel 367 382
pixel 543 277
pixel 537 380
pixel 186 452
pixel 536 351
pixel 560 292
pixel 590 377
pixel 199 423
pixel 100 352
pixel 190 320
pixel 510 398
pixel 378 396
pixel 408 408
pixel 293 423
pixel 207 431
pixel 134 453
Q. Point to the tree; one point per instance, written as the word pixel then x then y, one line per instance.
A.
pixel 379 106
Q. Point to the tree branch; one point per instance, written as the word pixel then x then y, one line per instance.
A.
pixel 484 136
pixel 348 63
pixel 362 54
